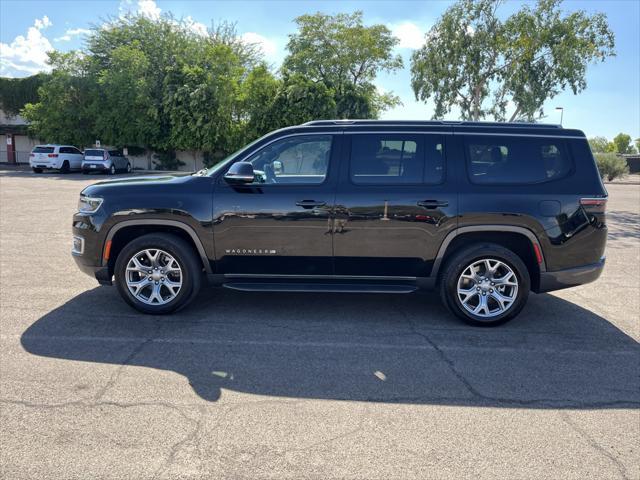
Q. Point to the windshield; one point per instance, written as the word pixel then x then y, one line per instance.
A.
pixel 211 170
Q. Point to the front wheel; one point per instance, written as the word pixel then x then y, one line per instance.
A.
pixel 485 284
pixel 158 273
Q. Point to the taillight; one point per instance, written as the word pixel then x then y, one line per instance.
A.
pixel 594 205
pixel 53 155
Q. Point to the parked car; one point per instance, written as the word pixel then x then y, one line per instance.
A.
pixel 482 212
pixel 55 157
pixel 105 161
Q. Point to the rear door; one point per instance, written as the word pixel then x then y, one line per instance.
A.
pixel 394 205
pixel 281 223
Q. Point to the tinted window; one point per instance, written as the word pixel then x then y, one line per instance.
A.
pixel 115 153
pixel 75 151
pixel 43 150
pixel 516 160
pixel 396 158
pixel 300 159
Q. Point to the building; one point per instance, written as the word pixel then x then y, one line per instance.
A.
pixel 16 143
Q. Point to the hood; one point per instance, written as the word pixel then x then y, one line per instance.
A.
pixel 137 183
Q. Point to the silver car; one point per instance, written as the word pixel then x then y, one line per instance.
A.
pixel 105 161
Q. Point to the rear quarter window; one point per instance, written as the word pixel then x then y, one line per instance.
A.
pixel 516 160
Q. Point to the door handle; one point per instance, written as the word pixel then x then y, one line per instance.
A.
pixel 433 203
pixel 310 203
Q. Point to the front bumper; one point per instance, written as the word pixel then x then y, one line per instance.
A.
pixel 101 274
pixel 570 277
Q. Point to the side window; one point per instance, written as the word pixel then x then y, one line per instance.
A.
pixel 65 150
pixel 75 151
pixel 300 159
pixel 516 160
pixel 396 159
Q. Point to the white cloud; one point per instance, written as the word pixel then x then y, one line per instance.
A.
pixel 409 34
pixel 27 54
pixel 70 33
pixel 146 8
pixel 149 9
pixel 42 23
pixel 268 46
pixel 196 27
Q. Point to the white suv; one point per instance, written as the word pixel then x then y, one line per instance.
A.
pixel 59 157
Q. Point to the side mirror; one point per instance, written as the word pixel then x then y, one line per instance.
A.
pixel 240 172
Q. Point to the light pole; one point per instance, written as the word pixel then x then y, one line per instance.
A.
pixel 561 113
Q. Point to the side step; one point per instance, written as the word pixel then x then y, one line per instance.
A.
pixel 319 287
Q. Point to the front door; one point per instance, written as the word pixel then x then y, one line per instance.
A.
pixel 393 204
pixel 281 223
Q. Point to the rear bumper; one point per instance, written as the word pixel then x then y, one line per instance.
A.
pixel 95 167
pixel 570 277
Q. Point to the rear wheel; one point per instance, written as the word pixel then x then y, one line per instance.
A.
pixel 128 167
pixel 158 273
pixel 112 169
pixel 65 167
pixel 485 284
pixel 37 170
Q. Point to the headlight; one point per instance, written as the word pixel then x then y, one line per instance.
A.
pixel 88 204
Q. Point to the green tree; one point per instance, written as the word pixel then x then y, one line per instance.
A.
pixel 257 94
pixel 124 109
pixel 622 143
pixel 480 64
pixel 300 100
pixel 63 113
pixel 599 144
pixel 637 142
pixel 346 56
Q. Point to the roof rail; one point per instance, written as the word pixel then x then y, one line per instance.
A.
pixel 431 122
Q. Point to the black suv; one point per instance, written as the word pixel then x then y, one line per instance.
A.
pixel 483 212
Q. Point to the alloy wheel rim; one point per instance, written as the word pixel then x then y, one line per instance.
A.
pixel 487 288
pixel 153 276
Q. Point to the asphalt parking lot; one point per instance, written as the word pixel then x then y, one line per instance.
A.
pixel 293 386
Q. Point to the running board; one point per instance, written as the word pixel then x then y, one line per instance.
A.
pixel 319 287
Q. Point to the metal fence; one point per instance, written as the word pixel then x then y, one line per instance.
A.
pixel 20 157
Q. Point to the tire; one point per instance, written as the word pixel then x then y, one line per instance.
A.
pixel 112 169
pixel 184 255
pixel 128 167
pixel 37 170
pixel 65 167
pixel 482 285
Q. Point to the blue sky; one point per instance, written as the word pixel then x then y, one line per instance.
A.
pixel 609 105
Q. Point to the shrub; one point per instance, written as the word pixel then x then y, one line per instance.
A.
pixel 611 166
